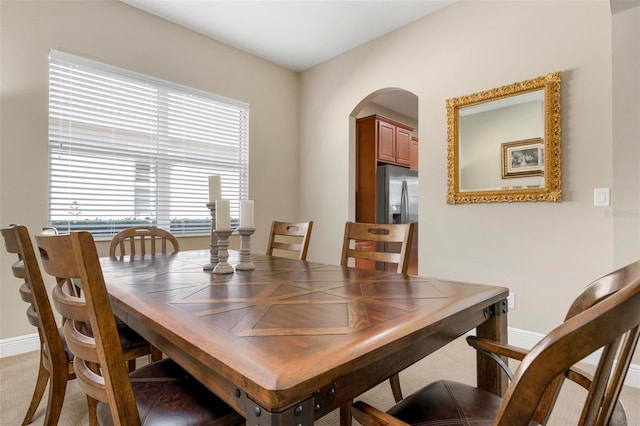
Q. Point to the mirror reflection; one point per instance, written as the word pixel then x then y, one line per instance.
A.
pixel 499 141
pixel 483 129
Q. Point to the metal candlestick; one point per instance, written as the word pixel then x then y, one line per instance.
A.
pixel 223 266
pixel 213 248
pixel 245 250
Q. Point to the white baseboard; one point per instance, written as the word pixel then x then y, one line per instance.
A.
pixel 517 337
pixel 19 345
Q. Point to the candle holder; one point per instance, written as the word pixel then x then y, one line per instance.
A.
pixel 245 250
pixel 213 247
pixel 223 266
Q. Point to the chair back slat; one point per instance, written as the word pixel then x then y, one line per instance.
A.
pixel 99 360
pixel 25 292
pixel 375 256
pixel 290 238
pixel 32 316
pixel 385 237
pixel 610 398
pixel 140 239
pixel 598 388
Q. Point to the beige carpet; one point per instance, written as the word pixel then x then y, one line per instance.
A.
pixel 456 362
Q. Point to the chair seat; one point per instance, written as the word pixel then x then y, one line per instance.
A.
pixel 67 351
pixel 449 403
pixel 129 339
pixel 167 395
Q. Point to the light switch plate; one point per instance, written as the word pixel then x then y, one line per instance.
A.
pixel 601 197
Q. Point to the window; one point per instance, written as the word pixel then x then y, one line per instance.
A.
pixel 127 149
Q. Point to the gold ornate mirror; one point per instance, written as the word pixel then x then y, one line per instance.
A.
pixel 503 145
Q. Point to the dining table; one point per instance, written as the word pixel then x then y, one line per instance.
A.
pixel 291 340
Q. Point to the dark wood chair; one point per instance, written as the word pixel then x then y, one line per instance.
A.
pixel 594 293
pixel 375 243
pixel 56 360
pixel 158 393
pixel 138 240
pixel 290 237
pixel 605 315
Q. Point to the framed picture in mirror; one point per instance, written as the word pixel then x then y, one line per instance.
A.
pixel 523 158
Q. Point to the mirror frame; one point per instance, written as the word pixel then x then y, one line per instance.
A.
pixel 552 190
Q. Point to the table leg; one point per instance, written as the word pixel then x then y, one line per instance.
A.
pixel 346 418
pixel 489 375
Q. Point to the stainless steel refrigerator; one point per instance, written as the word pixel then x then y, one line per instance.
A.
pixel 397 202
pixel 397 195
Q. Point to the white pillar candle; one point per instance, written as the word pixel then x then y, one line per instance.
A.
pixel 215 191
pixel 246 214
pixel 223 215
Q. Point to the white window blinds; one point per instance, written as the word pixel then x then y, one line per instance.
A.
pixel 127 149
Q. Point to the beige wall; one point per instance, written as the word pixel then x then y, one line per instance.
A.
pixel 115 33
pixel 544 252
pixel 626 131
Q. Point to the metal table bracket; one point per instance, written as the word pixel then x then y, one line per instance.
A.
pixel 301 414
pixel 324 397
pixel 500 308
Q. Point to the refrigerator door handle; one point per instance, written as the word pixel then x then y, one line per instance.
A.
pixel 404 203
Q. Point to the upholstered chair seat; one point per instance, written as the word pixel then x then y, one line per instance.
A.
pixel 458 403
pixel 167 395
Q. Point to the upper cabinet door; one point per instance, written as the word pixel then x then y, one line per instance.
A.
pixel 403 147
pixel 413 153
pixel 394 144
pixel 386 142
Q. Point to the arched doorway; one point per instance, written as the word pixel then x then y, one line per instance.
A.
pixel 385 160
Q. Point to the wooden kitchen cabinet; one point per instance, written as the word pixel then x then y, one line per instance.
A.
pixel 393 142
pixel 413 154
pixel 379 140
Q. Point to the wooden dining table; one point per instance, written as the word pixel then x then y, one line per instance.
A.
pixel 291 340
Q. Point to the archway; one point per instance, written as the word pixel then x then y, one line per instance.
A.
pixel 384 160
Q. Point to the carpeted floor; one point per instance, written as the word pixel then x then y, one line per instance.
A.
pixel 455 362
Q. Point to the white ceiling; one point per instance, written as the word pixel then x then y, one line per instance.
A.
pixel 299 34
pixel 294 34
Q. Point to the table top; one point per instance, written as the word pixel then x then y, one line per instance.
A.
pixel 289 327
